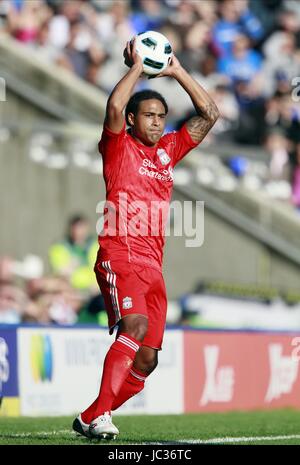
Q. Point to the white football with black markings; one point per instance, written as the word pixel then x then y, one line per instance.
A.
pixel 155 50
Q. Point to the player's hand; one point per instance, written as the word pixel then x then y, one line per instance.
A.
pixel 130 54
pixel 171 70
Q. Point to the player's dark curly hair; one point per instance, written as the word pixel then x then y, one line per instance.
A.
pixel 135 99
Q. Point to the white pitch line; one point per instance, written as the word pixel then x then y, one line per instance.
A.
pixel 39 433
pixel 229 440
pixel 226 440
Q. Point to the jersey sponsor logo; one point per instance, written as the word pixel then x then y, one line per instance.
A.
pixel 127 303
pixel 153 172
pixel 163 156
pixel 148 164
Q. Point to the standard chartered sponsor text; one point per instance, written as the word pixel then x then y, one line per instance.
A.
pixel 166 175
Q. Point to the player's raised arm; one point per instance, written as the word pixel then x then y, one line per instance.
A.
pixel 207 111
pixel 121 94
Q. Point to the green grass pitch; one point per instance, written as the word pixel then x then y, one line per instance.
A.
pixel 207 428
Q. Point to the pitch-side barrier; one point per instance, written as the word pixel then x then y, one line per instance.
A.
pixel 50 370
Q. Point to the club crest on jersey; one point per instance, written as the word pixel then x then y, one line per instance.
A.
pixel 127 303
pixel 163 156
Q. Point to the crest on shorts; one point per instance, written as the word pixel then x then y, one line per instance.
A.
pixel 163 156
pixel 127 303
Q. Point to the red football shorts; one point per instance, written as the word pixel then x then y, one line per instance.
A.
pixel 132 289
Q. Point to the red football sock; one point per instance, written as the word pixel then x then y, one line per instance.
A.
pixel 88 415
pixel 133 384
pixel 117 365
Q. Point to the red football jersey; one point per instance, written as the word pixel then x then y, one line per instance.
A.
pixel 139 182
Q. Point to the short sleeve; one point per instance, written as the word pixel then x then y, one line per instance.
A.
pixel 183 144
pixel 110 145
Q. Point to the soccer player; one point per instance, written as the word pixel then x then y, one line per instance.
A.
pixel 138 171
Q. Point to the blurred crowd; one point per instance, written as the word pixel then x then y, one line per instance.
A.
pixel 245 52
pixel 66 295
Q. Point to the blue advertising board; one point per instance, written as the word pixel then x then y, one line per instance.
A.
pixel 9 386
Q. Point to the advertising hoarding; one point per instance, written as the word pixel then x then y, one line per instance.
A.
pixel 240 371
pixel 9 388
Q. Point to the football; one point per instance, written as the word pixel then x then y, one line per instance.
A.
pixel 155 50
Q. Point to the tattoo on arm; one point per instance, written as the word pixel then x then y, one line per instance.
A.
pixel 199 126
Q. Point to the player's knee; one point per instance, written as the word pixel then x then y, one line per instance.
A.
pixel 152 365
pixel 147 361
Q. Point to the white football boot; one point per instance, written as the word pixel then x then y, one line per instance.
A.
pixel 103 428
pixel 80 427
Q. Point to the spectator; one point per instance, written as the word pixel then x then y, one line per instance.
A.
pixel 282 62
pixel 250 128
pixel 93 311
pixel 150 15
pixel 114 29
pixel 243 68
pixel 296 179
pixel 74 257
pixel 207 12
pixel 69 13
pixel 47 52
pixel 43 299
pixel 195 46
pixel 24 22
pixel 236 18
pixel 229 112
pixel 294 144
pixel 243 63
pixel 267 13
pixel 54 300
pixel 80 61
pixel 13 300
pixel 4 10
pixel 277 146
pixel 282 112
pixel 12 303
pixel 184 17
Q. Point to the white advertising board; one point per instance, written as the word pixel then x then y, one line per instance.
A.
pixel 59 369
pixel 163 391
pixel 60 372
